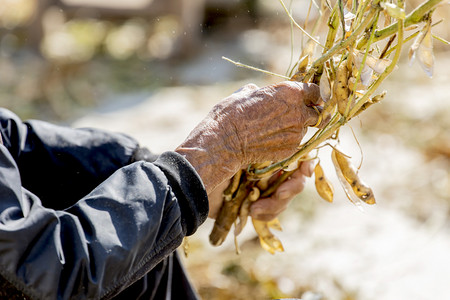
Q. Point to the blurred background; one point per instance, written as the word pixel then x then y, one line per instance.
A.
pixel 154 68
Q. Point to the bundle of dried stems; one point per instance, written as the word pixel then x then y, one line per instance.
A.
pixel 362 47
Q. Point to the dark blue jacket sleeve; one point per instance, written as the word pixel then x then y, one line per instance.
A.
pixel 55 160
pixel 133 218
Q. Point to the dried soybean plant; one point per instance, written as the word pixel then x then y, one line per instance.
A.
pixel 361 48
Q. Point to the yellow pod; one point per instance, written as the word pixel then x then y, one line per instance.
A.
pixel 263 183
pixel 242 217
pixel 323 185
pixel 254 194
pixel 361 189
pixel 268 241
pixel 275 224
pixel 340 87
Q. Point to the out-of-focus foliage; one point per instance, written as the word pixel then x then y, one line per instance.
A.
pixel 55 62
pixel 79 40
pixel 75 61
pixel 75 41
pixel 15 13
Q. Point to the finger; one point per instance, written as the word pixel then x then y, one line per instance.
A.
pixel 311 94
pixel 312 116
pixel 293 186
pixel 307 168
pixel 269 208
pixel 215 199
pixel 308 93
pixel 313 102
pixel 266 209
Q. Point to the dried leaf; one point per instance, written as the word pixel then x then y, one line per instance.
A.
pixel 360 88
pixel 378 65
pixel 415 45
pixel 303 63
pixel 425 53
pixel 325 87
pixel 423 48
pixel 365 78
pixel 185 246
pixel 348 20
pixel 309 49
pixel 241 221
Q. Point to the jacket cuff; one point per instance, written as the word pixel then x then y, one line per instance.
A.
pixel 188 188
pixel 142 153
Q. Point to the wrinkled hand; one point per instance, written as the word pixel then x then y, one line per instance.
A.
pixel 252 125
pixel 267 123
pixel 266 209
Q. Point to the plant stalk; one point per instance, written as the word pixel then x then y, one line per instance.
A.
pixel 340 46
pixel 386 72
pixel 416 16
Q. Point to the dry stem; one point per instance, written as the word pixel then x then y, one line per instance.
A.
pixel 416 16
pixel 367 23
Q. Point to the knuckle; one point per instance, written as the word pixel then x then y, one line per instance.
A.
pixel 251 86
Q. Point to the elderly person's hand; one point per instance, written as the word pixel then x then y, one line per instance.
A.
pixel 250 126
pixel 266 209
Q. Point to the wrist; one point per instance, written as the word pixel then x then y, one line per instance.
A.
pixel 212 153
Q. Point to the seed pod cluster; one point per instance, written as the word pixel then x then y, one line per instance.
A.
pixel 355 189
pixel 244 190
pixel 349 71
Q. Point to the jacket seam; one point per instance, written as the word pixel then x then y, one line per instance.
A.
pixel 19 285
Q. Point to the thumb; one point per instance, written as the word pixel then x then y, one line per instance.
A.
pixel 313 103
pixel 311 95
